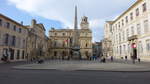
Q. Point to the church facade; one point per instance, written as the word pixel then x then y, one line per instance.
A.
pixel 62 41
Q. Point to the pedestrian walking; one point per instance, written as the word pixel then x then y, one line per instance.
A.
pixel 103 60
pixel 133 59
pixel 139 60
pixel 112 58
pixel 126 58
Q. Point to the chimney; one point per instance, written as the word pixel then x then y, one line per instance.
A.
pixel 21 22
pixel 33 22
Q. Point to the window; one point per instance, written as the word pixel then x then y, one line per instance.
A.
pixel 63 45
pixel 116 27
pixel 18 54
pixel 20 30
pixel 55 44
pixel 122 22
pixel 132 30
pixel 119 37
pixel 23 54
pixel 0 22
pixel 14 27
pixel 129 48
pixel 55 53
pixel 124 49
pixel 146 30
pixel 131 16
pixel 126 19
pixel 148 45
pixel 7 25
pixel 24 43
pixel 127 33
pixel 139 29
pixel 6 39
pixel 86 53
pixel 13 40
pixel 119 24
pixel 64 34
pixel 140 47
pixel 123 35
pixel 120 50
pixel 137 12
pixel 86 45
pixel 55 34
pixel 144 7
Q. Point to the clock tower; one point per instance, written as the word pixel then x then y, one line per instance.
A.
pixel 84 23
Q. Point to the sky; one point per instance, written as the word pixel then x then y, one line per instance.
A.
pixel 60 13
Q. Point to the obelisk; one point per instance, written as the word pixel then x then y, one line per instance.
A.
pixel 76 34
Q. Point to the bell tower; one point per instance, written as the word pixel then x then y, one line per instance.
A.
pixel 84 23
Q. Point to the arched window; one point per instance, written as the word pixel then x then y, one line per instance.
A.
pixel 86 45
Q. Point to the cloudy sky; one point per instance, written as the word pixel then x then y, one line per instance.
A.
pixel 60 13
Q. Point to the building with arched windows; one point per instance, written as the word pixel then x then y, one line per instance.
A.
pixel 63 40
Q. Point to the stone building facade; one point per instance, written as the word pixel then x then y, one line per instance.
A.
pixel 107 41
pixel 13 39
pixel 37 41
pixel 97 49
pixel 62 41
pixel 130 32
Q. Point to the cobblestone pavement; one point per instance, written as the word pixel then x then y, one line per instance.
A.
pixel 117 65
pixel 8 75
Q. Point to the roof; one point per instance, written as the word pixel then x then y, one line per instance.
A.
pixel 137 2
pixel 111 22
pixel 5 17
pixel 42 26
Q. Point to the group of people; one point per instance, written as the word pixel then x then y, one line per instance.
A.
pixel 103 59
pixel 5 58
pixel 37 60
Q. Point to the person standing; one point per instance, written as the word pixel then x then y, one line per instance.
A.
pixel 112 58
pixel 126 58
